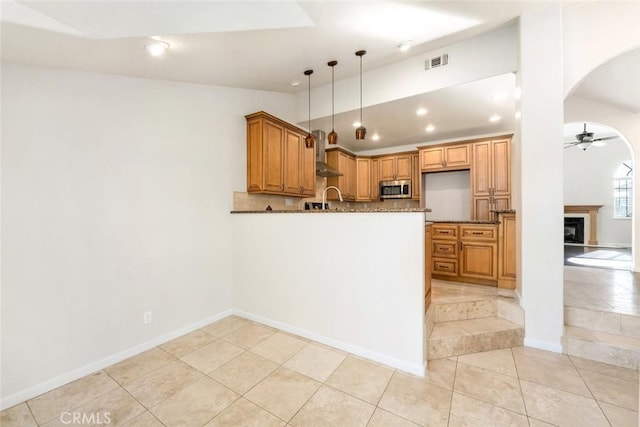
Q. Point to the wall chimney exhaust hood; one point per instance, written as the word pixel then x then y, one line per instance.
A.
pixel 322 168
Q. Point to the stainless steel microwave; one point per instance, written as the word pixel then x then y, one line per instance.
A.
pixel 395 189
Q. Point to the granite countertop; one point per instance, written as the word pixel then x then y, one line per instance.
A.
pixel 503 210
pixel 365 210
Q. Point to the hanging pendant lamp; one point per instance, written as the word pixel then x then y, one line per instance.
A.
pixel 310 140
pixel 361 131
pixel 332 138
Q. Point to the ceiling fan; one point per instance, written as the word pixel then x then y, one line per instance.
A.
pixel 585 140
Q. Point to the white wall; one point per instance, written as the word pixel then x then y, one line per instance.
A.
pixel 595 32
pixel 353 280
pixel 448 195
pixel 116 195
pixel 538 171
pixel 483 56
pixel 588 180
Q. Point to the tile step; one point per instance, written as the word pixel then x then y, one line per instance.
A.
pixel 618 350
pixel 458 337
pixel 602 321
pixel 476 309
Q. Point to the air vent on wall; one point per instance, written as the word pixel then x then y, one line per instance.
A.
pixel 438 61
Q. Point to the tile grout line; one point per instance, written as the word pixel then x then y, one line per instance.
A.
pixel 453 390
pixel 524 402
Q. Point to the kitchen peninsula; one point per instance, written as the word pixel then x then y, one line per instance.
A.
pixel 337 278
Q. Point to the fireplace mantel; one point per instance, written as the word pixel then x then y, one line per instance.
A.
pixel 592 211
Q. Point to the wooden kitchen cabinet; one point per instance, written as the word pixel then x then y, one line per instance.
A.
pixel 416 177
pixel 396 167
pixel 363 182
pixel 507 250
pixel 345 163
pixel 277 160
pixel 491 177
pixel 465 252
pixel 445 157
pixel 427 266
pixel 375 180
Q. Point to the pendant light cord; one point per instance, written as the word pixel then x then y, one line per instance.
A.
pixel 309 122
pixel 332 100
pixel 360 90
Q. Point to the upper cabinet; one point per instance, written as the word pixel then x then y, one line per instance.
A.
pixel 277 160
pixel 447 157
pixel 416 177
pixel 491 177
pixel 345 163
pixel 394 167
pixel 363 181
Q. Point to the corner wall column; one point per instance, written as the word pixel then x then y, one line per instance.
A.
pixel 538 167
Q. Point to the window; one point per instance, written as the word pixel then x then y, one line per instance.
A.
pixel 623 191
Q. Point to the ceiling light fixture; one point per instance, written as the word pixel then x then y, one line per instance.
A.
pixel 361 131
pixel 495 118
pixel 295 83
pixel 309 140
pixel 157 48
pixel 375 137
pixel 357 124
pixel 405 46
pixel 332 138
pixel 430 128
pixel 421 111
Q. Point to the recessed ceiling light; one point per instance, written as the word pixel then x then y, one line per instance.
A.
pixel 404 46
pixel 421 111
pixel 430 128
pixel 375 137
pixel 295 83
pixel 357 124
pixel 157 48
pixel 495 118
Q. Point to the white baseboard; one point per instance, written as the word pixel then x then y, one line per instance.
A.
pixel 416 369
pixel 68 377
pixel 543 345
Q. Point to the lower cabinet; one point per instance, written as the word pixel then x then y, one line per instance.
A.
pixel 427 267
pixel 465 252
pixel 507 250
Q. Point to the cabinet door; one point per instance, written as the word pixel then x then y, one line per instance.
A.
pixel 363 184
pixel 307 169
pixel 431 158
pixel 386 168
pixel 375 180
pixel 481 170
pixel 255 167
pixel 416 177
pixel 479 260
pixel 403 167
pixel 273 142
pixel 457 156
pixel 501 167
pixel 352 178
pixel 481 208
pixel 292 162
pixel 427 267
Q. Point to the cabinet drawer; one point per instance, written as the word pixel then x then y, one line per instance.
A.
pixel 446 249
pixel 487 233
pixel 445 231
pixel 445 267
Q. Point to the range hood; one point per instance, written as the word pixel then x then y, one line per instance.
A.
pixel 322 168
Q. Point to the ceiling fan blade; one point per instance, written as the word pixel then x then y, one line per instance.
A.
pixel 598 143
pixel 604 138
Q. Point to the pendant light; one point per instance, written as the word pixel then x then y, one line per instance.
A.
pixel 332 138
pixel 310 140
pixel 361 131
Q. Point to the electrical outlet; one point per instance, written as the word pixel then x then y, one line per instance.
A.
pixel 288 202
pixel 147 317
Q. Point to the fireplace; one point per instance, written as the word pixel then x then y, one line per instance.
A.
pixel 574 230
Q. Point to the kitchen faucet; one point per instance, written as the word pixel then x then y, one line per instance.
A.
pixel 324 194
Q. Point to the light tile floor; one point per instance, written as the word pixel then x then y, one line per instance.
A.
pixel 239 373
pixel 602 289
